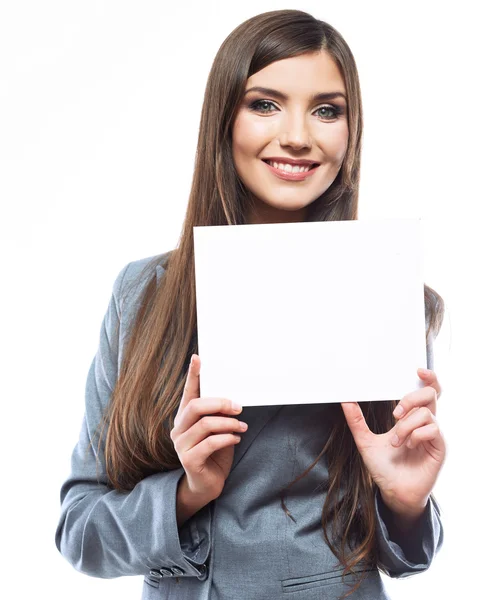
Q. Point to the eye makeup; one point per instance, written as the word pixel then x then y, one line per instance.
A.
pixel 335 109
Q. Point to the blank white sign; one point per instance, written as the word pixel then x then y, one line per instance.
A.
pixel 300 313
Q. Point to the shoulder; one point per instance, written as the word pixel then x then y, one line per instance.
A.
pixel 134 276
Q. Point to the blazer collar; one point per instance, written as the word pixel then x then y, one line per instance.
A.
pixel 159 273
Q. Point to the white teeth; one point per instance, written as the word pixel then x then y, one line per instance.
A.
pixel 289 168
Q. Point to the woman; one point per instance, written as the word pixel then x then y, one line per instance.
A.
pixel 160 485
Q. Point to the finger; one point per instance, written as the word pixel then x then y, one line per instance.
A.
pixel 425 396
pixel 206 426
pixel 357 424
pixel 405 427
pixel 192 383
pixel 428 433
pixel 198 407
pixel 430 378
pixel 195 458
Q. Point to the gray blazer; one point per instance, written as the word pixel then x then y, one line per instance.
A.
pixel 241 545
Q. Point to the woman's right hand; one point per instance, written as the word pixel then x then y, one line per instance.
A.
pixel 203 438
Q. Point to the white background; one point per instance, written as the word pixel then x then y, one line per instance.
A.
pixel 99 110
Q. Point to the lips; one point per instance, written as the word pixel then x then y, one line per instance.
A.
pixel 288 176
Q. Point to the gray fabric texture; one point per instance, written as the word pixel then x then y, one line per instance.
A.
pixel 241 545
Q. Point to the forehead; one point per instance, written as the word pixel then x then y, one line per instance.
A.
pixel 308 73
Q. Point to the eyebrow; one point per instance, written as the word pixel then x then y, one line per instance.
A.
pixel 317 98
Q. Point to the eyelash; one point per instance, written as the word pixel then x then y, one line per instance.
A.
pixel 337 110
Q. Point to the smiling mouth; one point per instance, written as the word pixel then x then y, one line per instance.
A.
pixel 288 168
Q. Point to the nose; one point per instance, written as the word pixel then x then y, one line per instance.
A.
pixel 295 133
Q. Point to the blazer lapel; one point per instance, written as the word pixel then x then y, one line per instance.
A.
pixel 256 417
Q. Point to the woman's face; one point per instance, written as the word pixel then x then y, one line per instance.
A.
pixel 289 123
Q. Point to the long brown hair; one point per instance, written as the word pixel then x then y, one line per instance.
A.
pixel 164 328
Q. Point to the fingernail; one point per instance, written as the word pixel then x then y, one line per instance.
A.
pixel 236 405
pixel 425 371
pixel 398 411
pixel 395 440
pixel 192 360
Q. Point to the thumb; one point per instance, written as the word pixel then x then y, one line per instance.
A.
pixel 357 424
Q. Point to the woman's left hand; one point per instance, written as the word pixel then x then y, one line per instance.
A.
pixel 404 472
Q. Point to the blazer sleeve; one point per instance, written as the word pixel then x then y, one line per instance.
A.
pixel 108 533
pixel 404 555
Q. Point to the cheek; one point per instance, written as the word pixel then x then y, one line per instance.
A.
pixel 336 143
pixel 249 135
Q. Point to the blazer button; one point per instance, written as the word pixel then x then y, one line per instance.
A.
pixel 177 571
pixel 164 572
pixel 156 574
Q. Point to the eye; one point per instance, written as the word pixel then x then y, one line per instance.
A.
pixel 254 105
pixel 335 110
pixel 261 106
